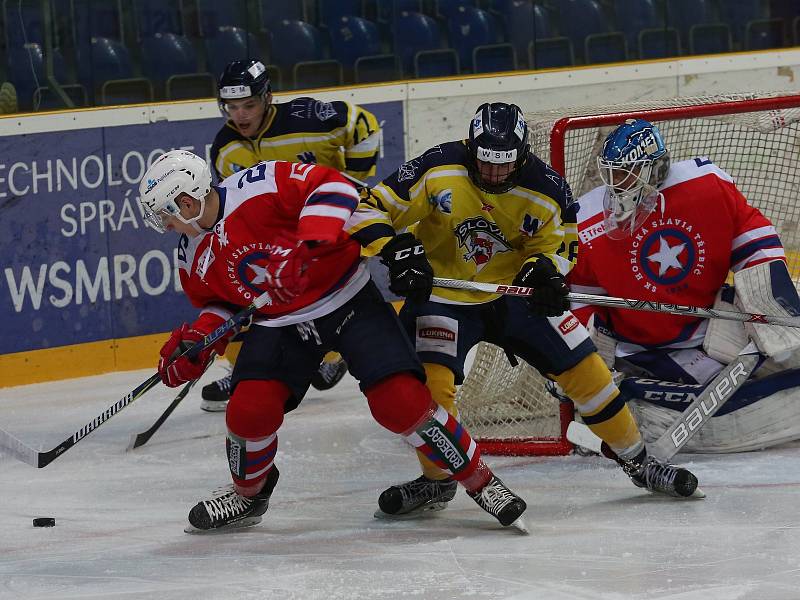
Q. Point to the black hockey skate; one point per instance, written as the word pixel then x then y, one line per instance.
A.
pixel 226 509
pixel 500 502
pixel 329 374
pixel 662 478
pixel 216 395
pixel 414 497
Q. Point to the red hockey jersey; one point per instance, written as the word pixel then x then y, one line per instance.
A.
pixel 681 254
pixel 271 207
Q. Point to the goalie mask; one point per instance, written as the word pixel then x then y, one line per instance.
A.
pixel 498 147
pixel 243 79
pixel 632 164
pixel 174 173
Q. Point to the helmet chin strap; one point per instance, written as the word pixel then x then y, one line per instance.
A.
pixel 194 220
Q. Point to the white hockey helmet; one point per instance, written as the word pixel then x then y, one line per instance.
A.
pixel 172 174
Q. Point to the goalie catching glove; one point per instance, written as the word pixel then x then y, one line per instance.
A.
pixel 175 369
pixel 410 273
pixel 549 297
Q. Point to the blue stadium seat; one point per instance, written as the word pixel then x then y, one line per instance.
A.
pixel 167 54
pixel 469 27
pixel 634 15
pixel 107 59
pixel 659 43
pixel 294 41
pixel 211 15
pixel 389 10
pixel 737 13
pixel 494 58
pixel 524 21
pixel 683 14
pixel 414 32
pixel 710 39
pixel 447 9
pixel 352 38
pixel 605 48
pixel 763 34
pixel 436 63
pixel 227 44
pixel 26 70
pixel 579 18
pixel 274 11
pixel 330 11
pixel 551 53
pixel 157 16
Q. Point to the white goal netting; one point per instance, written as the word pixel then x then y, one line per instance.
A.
pixel 760 148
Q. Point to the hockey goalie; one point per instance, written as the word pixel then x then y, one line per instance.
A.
pixel 673 233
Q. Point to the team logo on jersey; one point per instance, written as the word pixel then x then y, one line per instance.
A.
pixel 406 171
pixel 664 253
pixel 219 230
pixel 324 110
pixel 443 201
pixel 482 239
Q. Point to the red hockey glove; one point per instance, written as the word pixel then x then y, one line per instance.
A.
pixel 549 297
pixel 286 271
pixel 175 369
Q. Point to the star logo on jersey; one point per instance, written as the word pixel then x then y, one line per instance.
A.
pixel 665 252
pixel 482 239
pixel 406 171
pixel 667 256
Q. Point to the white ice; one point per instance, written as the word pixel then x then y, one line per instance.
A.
pixel 593 535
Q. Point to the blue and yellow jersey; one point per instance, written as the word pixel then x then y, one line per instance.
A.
pixel 335 134
pixel 467 233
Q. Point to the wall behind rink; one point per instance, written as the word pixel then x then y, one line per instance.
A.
pixel 87 287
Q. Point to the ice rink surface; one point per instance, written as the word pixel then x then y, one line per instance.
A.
pixel 593 535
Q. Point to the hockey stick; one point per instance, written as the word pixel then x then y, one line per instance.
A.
pixel 140 439
pixel 715 394
pixel 37 458
pixel 645 305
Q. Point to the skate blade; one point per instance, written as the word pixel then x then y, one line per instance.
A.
pixel 249 522
pixel 520 526
pixel 213 406
pixel 427 510
pixel 697 494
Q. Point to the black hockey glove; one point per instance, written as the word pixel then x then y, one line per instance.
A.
pixel 410 273
pixel 549 298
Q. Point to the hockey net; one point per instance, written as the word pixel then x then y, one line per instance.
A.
pixel 754 137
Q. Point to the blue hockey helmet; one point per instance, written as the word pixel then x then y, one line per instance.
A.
pixel 498 146
pixel 632 164
pixel 243 79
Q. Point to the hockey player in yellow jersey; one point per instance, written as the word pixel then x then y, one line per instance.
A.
pixel 335 134
pixel 486 209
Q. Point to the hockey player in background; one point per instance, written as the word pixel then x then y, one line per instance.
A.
pixel 337 134
pixel 278 228
pixel 672 232
pixel 486 209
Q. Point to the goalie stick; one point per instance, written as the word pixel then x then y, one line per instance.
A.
pixel 689 422
pixel 39 459
pixel 140 439
pixel 645 305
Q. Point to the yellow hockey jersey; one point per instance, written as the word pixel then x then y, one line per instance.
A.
pixel 467 233
pixel 335 134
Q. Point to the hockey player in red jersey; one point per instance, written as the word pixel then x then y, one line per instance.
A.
pixel 278 228
pixel 672 232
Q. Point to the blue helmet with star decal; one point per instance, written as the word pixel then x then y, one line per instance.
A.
pixel 632 164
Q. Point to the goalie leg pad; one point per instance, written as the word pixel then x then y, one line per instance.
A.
pixel 602 408
pixel 254 415
pixel 767 288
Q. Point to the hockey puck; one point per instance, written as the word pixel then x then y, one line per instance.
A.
pixel 44 522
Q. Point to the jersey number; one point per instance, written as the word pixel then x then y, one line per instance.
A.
pixel 573 251
pixel 253 174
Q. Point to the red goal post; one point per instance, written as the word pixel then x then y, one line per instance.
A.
pixel 753 137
